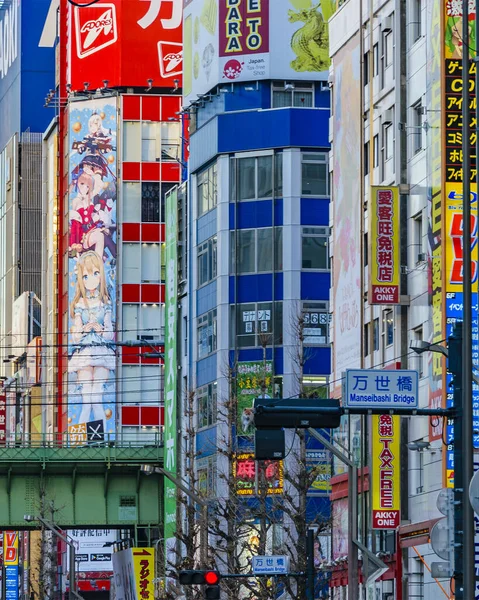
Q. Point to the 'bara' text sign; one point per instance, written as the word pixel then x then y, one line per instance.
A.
pixel 375 388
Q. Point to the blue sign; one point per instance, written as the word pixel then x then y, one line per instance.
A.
pixel 375 388
pixel 270 565
pixel 11 582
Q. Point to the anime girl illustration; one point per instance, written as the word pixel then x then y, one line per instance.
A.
pixel 92 331
pixel 98 140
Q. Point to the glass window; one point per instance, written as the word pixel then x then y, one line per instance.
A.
pixel 286 94
pixel 150 141
pixel 152 318
pixel 131 202
pixel 246 178
pixel 278 174
pixel 255 250
pixel 416 19
pixel 130 321
pixel 254 323
pixel 265 177
pixel 246 251
pixel 206 334
pixel 150 263
pixel 376 335
pixel 314 170
pixel 264 251
pixel 316 319
pixel 388 48
pixel 170 141
pixel 388 141
pixel 207 261
pixel 151 384
pixel 207 400
pixel 131 262
pixel 278 249
pixel 315 248
pixel 416 130
pixel 150 202
pixel 366 339
pixel 207 186
pixel 388 327
pixel 131 141
pixel 376 150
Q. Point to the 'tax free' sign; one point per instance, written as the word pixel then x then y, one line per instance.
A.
pixel 10 548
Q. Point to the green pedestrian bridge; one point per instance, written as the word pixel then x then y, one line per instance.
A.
pixel 81 485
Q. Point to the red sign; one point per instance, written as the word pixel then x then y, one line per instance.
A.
pixel 126 43
pixel 244 27
pixel 3 419
pixel 386 480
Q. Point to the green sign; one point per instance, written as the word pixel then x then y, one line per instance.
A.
pixel 170 372
pixel 253 380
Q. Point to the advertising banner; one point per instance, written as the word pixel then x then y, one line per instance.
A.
pixel 171 370
pixel 385 265
pixel 248 40
pixel 126 42
pixel 257 477
pixel 92 269
pixel 347 208
pixel 253 380
pixel 3 418
pixel 10 561
pixel 319 463
pixel 94 549
pixel 144 568
pixel 385 471
pixel 124 575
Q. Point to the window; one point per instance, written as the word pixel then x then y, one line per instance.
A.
pixel 131 263
pixel 170 140
pixel 151 263
pixel 314 243
pixel 376 335
pixel 366 68
pixel 131 141
pixel 142 321
pixel 254 249
pixel 416 129
pixel 314 171
pixel 366 339
pixel 376 151
pixel 142 383
pixel 278 175
pixel 286 94
pixel 141 263
pixel 207 261
pixel 207 402
pixel 388 49
pixel 418 239
pixel 388 139
pixel 365 249
pixel 150 141
pixel 388 327
pixel 153 201
pixel 254 177
pixel 316 319
pixel 417 336
pixel 207 189
pixel 376 59
pixel 206 334
pixel 255 324
pixel 206 474
pixel 366 159
pixel 131 202
pixel 159 141
pixel 416 19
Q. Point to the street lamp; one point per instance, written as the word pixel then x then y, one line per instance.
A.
pixel 183 486
pixel 54 529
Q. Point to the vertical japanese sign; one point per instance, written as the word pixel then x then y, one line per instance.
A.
pixel 454 198
pixel 10 561
pixel 171 370
pixel 92 255
pixel 386 471
pixel 144 567
pixel 385 245
pixel 3 418
pixel 253 380
pixel 257 477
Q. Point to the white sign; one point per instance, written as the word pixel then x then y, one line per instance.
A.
pixel 270 565
pixel 371 388
pixel 94 548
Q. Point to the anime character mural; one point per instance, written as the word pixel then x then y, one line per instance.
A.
pixel 92 270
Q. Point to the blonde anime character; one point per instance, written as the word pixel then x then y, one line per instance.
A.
pixel 92 334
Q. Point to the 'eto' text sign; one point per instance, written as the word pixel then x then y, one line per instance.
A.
pixel 373 388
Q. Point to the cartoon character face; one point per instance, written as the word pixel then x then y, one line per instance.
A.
pixel 94 124
pixel 91 279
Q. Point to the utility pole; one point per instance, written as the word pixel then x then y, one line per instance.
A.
pixel 465 431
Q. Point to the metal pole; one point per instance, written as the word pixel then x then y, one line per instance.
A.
pixel 73 583
pixel 466 432
pixel 310 564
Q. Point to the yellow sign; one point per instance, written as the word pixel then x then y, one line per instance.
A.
pixel 385 263
pixel 144 567
pixel 10 548
pixel 386 471
pixel 453 236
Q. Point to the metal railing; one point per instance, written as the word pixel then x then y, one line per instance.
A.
pixel 139 439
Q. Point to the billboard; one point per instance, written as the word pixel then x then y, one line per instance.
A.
pixel 126 42
pixel 347 209
pixel 385 268
pixel 92 269
pixel 239 40
pixel 10 561
pixel 93 549
pixel 171 370
pixel 253 380
pixel 385 471
pixel 133 573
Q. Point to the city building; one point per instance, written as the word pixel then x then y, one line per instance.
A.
pixel 386 131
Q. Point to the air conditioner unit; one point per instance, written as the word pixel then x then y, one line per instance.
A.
pixel 388 116
pixel 387 24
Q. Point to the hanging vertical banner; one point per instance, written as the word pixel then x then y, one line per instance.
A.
pixel 385 264
pixel 386 471
pixel 10 561
pixel 92 269
pixel 144 567
pixel 3 418
pixel 171 371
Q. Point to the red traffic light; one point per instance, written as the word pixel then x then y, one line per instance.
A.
pixel 212 577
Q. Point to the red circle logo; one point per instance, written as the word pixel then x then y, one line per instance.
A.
pixel 232 69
